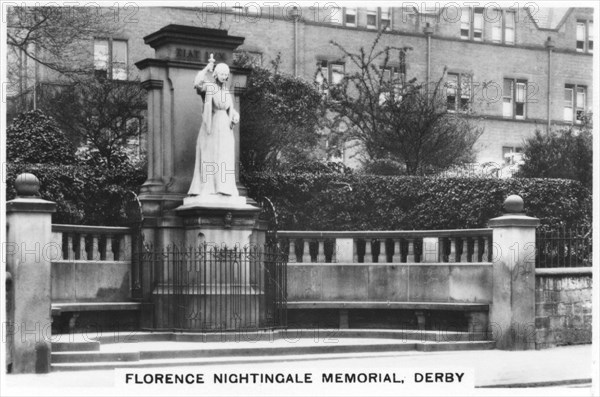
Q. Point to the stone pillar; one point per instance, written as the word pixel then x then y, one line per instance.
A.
pixel 430 250
pixel 28 256
pixel 512 313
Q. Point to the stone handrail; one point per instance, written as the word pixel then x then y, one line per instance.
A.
pixel 94 243
pixel 414 246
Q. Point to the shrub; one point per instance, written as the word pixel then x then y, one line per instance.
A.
pixel 83 194
pixel 34 137
pixel 334 201
pixel 560 154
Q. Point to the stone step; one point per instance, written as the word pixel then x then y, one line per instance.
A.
pixel 127 354
pixel 254 336
pixel 75 346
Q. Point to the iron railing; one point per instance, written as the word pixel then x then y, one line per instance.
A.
pixel 210 288
pixel 564 248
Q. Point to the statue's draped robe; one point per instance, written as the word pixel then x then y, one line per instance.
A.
pixel 214 169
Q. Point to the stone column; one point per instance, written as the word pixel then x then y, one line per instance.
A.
pixel 28 256
pixel 512 313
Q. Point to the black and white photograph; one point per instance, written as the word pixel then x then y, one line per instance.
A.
pixel 216 198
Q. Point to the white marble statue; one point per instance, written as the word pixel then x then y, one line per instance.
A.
pixel 214 169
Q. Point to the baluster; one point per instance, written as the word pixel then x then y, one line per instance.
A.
pixel 486 253
pixel 306 258
pixel 70 248
pixel 95 247
pixel 476 250
pixel 465 250
pixel 453 257
pixel 377 248
pixel 334 251
pixel 110 255
pixel 368 252
pixel 397 257
pixel 355 250
pixel 321 251
pixel 410 256
pixel 292 254
pixel 82 251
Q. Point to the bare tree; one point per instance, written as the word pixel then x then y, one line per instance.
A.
pixel 50 36
pixel 46 44
pixel 100 113
pixel 392 118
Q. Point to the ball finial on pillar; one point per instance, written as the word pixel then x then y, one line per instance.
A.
pixel 27 185
pixel 513 204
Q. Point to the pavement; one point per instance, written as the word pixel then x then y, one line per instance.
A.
pixel 555 371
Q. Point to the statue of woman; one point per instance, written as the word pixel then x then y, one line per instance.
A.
pixel 214 170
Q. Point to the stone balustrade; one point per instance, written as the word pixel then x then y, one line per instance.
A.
pixel 415 246
pixel 92 243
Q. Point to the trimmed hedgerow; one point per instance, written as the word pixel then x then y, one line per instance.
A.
pixel 334 201
pixel 84 194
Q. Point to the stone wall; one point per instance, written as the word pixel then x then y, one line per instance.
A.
pixel 399 282
pixel 563 308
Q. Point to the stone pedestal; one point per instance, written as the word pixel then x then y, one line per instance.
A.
pixel 512 313
pixel 222 225
pixel 28 256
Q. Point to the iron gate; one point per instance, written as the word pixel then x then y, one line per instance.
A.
pixel 210 288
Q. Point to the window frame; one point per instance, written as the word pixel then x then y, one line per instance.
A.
pixel 505 28
pixel 511 149
pixel 381 19
pixel 472 13
pixel 458 96
pixel 514 96
pixel 110 61
pixel 345 21
pixel 329 77
pixel 574 103
pixel 588 37
pixel 373 11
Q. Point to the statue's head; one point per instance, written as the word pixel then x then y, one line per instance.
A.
pixel 221 72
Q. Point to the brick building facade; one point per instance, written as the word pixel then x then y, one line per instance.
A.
pixel 518 69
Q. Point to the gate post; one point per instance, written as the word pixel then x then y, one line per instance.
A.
pixel 28 259
pixel 512 313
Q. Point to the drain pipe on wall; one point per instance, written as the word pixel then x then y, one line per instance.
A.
pixel 296 15
pixel 428 30
pixel 549 47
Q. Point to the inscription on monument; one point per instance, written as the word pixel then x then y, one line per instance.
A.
pixel 190 54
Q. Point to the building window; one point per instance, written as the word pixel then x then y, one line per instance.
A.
pixel 503 29
pixel 465 23
pixel 512 155
pixel 458 92
pixel 471 24
pixel 497 30
pixel 372 18
pixel 478 24
pixel 110 58
pixel 350 16
pixel 575 103
pixel 386 18
pixel 514 98
pixel 585 36
pixel 329 73
pixel 510 18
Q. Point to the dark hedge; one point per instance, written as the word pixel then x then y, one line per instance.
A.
pixel 84 194
pixel 336 201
